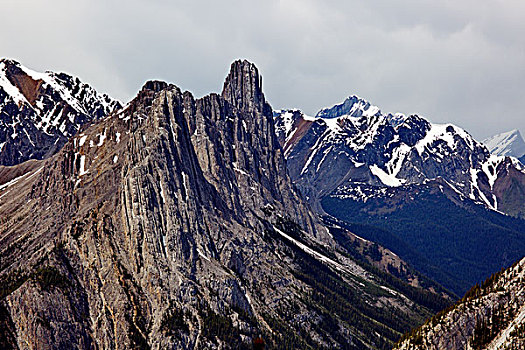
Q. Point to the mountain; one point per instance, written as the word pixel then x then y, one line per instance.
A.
pixel 355 143
pixel 39 112
pixel 506 144
pixel 428 192
pixel 442 234
pixel 173 223
pixel 490 316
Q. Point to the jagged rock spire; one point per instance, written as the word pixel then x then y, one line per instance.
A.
pixel 243 87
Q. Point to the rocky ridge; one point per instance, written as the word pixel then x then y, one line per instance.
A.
pixel 490 316
pixel 39 112
pixel 173 224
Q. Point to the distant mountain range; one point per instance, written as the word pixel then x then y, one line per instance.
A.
pixel 355 143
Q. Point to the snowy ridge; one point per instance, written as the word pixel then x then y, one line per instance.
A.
pixel 397 150
pixel 42 110
pixel 81 97
pixel 509 143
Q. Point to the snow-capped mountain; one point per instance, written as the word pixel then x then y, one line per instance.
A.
pixel 39 112
pixel 506 144
pixel 355 143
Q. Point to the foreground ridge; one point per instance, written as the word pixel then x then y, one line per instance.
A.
pixel 490 316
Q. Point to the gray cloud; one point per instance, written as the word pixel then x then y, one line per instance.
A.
pixel 451 61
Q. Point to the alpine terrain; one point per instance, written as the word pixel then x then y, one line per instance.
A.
pixel 172 223
pixel 39 112
pixel 429 192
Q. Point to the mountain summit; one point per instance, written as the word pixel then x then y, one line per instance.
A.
pixel 509 143
pixel 243 87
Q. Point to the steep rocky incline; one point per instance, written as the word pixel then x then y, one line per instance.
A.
pixel 490 316
pixel 355 143
pixel 39 112
pixel 173 224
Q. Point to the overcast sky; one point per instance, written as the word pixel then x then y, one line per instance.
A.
pixel 460 61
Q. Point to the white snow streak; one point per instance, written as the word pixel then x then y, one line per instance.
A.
pixel 201 254
pixel 82 170
pixel 310 251
pixel 82 140
pixel 387 179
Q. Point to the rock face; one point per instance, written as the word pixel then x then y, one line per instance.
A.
pixel 174 224
pixel 490 316
pixel 39 112
pixel 355 143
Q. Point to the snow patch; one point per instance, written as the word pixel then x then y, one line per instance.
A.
pixel 201 254
pixel 16 179
pixel 162 194
pixel 102 138
pixel 489 168
pixel 387 179
pixel 82 140
pixel 436 132
pixel 9 88
pixel 310 251
pixel 82 170
pixel 184 179
pixel 236 168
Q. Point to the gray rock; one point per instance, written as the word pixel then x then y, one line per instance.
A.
pixel 159 227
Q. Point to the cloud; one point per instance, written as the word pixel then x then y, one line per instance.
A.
pixel 451 61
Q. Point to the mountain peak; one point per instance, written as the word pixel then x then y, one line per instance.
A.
pixel 243 86
pixel 18 77
pixel 353 106
pixel 508 143
pixel 9 62
pixel 154 85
